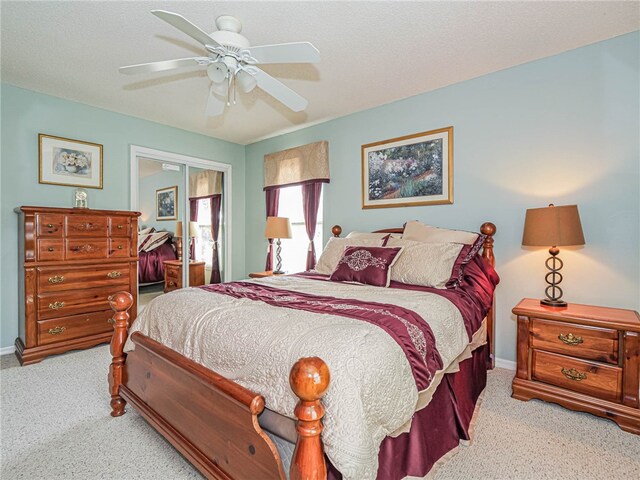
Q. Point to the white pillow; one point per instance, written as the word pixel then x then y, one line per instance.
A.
pixel 372 235
pixel 334 248
pixel 419 232
pixel 146 231
pixel 423 263
pixel 155 240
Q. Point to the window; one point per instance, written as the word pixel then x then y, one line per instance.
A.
pixel 294 250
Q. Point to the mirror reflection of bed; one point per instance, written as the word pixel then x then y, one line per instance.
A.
pixel 163 231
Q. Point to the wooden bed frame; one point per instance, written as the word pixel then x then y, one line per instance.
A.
pixel 213 421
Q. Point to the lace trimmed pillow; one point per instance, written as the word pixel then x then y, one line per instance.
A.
pixel 335 247
pixel 419 232
pixel 425 264
pixel 367 265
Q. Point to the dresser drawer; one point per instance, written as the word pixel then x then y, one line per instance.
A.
pixel 172 271
pixel 74 302
pixel 582 341
pixel 50 249
pixel 172 284
pixel 86 226
pixel 55 279
pixel 119 226
pixel 66 328
pixel 49 225
pixel 595 379
pixel 119 247
pixel 87 249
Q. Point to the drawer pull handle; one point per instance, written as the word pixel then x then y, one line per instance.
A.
pixel 119 247
pixel 120 227
pixel 573 374
pixel 172 284
pixel 57 330
pixel 51 249
pixel 56 279
pixel 114 274
pixel 56 305
pixel 49 225
pixel 111 321
pixel 570 339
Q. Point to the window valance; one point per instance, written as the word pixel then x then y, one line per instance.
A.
pixel 296 166
pixel 205 184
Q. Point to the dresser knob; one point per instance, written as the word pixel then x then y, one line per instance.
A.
pixel 49 225
pixel 120 227
pixel 56 330
pixel 56 305
pixel 51 249
pixel 119 247
pixel 56 279
pixel 114 274
pixel 570 339
pixel 573 374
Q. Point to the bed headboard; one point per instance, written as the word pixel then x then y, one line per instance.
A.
pixel 488 229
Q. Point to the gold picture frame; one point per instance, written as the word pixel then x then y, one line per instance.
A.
pixel 167 203
pixel 408 171
pixel 67 162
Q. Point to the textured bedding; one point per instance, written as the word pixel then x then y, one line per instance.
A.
pixel 372 393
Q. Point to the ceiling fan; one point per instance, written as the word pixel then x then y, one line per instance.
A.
pixel 231 61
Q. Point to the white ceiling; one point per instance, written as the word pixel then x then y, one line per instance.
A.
pixel 372 52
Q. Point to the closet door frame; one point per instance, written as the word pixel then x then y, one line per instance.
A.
pixel 187 161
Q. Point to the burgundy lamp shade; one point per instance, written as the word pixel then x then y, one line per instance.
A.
pixel 553 227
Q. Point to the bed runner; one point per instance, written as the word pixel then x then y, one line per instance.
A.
pixel 405 326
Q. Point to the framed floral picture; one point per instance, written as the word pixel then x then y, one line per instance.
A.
pixel 62 161
pixel 408 171
pixel 166 201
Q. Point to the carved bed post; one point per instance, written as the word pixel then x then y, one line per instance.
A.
pixel 336 230
pixel 309 379
pixel 120 302
pixel 489 229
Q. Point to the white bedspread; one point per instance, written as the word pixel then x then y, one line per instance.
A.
pixel 372 391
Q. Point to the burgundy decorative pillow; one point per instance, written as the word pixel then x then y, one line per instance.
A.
pixel 466 255
pixel 367 265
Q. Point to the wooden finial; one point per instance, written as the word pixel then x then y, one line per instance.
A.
pixel 336 230
pixel 120 302
pixel 309 379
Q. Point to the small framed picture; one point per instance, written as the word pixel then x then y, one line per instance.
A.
pixel 166 201
pixel 408 171
pixel 63 161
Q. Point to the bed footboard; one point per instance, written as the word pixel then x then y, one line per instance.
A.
pixel 211 420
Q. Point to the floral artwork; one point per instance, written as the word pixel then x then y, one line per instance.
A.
pixel 406 171
pixel 166 201
pixel 69 162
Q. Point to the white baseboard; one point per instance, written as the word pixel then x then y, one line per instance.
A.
pixel 7 350
pixel 508 364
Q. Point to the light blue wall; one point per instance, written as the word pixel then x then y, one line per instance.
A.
pixel 26 113
pixel 564 129
pixel 147 198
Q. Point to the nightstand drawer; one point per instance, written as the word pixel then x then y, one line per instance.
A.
pixel 591 343
pixel 600 380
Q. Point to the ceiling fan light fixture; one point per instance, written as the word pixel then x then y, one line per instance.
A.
pixel 247 81
pixel 217 72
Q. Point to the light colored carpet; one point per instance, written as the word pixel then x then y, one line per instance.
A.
pixel 55 424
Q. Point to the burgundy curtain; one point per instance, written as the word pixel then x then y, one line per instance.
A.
pixel 310 202
pixel 193 216
pixel 216 204
pixel 272 197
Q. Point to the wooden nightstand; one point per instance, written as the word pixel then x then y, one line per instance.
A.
pixel 582 357
pixel 173 274
pixel 268 273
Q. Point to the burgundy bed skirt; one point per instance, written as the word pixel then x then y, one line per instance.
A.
pixel 150 266
pixel 436 429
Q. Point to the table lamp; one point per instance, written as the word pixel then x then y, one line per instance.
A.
pixel 553 226
pixel 193 232
pixel 277 228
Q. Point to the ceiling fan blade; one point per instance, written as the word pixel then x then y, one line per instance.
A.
pixel 215 105
pixel 164 65
pixel 185 26
pixel 298 52
pixel 278 90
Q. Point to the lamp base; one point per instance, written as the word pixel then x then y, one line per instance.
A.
pixel 278 272
pixel 553 303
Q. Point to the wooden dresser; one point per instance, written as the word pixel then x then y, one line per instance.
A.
pixel 582 357
pixel 173 274
pixel 70 261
